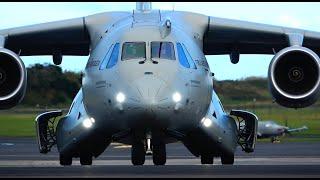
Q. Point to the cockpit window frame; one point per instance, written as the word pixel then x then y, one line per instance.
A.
pixel 145 50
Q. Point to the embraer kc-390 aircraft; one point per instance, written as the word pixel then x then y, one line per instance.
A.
pixel 147 82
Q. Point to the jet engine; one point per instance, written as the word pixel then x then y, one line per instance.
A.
pixel 293 77
pixel 13 79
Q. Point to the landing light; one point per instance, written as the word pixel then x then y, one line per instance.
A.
pixel 176 97
pixel 87 123
pixel 120 97
pixel 206 122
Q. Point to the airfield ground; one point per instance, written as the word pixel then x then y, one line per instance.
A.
pixel 20 122
pixel 19 157
pixel 295 156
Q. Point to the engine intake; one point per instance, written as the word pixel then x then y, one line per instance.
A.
pixel 13 79
pixel 293 77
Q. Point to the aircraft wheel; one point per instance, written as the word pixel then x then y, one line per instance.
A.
pixel 138 153
pixel 159 153
pixel 227 158
pixel 206 159
pixel 86 159
pixel 65 160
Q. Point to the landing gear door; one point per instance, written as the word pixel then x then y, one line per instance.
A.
pixel 247 129
pixel 46 131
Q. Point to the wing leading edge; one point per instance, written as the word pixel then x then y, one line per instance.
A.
pixel 224 36
pixel 75 36
pixel 70 37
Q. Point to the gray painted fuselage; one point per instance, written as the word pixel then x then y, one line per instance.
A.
pixel 148 90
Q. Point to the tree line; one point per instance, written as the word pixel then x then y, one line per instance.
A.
pixel 48 85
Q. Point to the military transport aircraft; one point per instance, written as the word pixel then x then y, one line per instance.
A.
pixel 272 130
pixel 147 82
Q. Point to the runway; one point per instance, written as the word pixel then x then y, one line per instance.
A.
pixel 19 157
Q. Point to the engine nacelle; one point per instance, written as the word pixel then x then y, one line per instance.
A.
pixel 13 79
pixel 293 77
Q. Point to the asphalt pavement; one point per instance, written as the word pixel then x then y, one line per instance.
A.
pixel 19 157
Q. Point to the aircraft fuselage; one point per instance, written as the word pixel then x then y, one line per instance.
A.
pixel 136 85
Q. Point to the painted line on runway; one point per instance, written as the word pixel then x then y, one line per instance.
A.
pixel 238 161
pixel 7 144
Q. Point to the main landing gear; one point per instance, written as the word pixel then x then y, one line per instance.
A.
pixel 206 159
pixel 65 160
pixel 85 158
pixel 227 158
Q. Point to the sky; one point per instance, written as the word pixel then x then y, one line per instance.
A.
pixel 302 15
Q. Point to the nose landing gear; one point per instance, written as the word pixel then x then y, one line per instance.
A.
pixel 155 147
pixel 138 153
pixel 149 150
pixel 159 152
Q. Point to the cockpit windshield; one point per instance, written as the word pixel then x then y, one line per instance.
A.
pixel 162 50
pixel 133 50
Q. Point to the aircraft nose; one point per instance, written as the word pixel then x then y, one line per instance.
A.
pixel 150 89
pixel 151 92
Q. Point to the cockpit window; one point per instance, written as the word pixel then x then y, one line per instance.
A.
pixel 191 62
pixel 106 58
pixel 162 50
pixel 114 56
pixel 182 56
pixel 111 57
pixel 133 50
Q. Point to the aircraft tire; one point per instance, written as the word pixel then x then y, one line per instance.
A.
pixel 227 158
pixel 65 160
pixel 86 159
pixel 138 153
pixel 159 156
pixel 206 159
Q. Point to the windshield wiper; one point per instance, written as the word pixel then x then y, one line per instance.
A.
pixel 154 62
pixel 142 62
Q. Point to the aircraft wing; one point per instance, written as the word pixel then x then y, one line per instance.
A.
pixel 297 129
pixel 68 36
pixel 224 36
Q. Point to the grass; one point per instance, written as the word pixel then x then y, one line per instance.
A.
pixel 292 118
pixel 15 124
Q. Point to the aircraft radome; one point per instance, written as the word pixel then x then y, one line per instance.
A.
pixel 147 82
